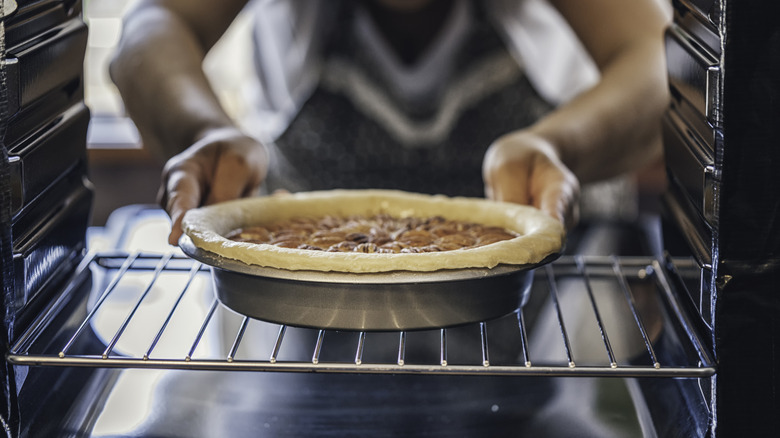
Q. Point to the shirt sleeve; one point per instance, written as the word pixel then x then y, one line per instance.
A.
pixel 541 40
pixel 289 36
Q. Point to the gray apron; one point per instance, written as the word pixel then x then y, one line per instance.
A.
pixel 355 132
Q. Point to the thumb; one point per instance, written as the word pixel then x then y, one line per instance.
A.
pixel 184 193
pixel 561 201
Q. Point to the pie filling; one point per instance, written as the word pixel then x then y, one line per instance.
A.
pixel 373 234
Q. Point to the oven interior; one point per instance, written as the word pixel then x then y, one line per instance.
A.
pixel 664 327
pixel 599 334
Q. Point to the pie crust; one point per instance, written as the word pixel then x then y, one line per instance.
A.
pixel 539 234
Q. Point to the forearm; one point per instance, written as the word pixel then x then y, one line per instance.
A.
pixel 158 71
pixel 614 127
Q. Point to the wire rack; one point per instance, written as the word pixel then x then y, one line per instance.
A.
pixel 587 316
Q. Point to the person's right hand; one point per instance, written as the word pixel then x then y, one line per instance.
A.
pixel 223 164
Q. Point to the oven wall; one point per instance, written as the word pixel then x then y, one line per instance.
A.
pixel 721 136
pixel 747 309
pixel 46 194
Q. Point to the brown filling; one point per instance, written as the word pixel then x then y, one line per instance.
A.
pixel 376 234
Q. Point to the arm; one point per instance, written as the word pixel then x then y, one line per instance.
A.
pixel 610 129
pixel 158 71
pixel 614 127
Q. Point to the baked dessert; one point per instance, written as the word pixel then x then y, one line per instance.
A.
pixel 374 231
pixel 381 233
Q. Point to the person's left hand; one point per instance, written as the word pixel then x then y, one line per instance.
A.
pixel 526 169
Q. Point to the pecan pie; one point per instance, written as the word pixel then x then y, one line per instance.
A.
pixel 377 234
pixel 373 231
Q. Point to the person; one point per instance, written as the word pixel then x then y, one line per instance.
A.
pixel 519 101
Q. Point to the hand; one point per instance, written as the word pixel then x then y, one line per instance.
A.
pixel 222 165
pixel 524 168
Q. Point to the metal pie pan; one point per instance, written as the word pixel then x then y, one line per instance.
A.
pixel 399 300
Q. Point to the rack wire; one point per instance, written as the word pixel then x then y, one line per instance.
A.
pixel 587 316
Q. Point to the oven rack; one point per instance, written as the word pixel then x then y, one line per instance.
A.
pixel 677 352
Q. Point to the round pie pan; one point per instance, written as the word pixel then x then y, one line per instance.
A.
pixel 399 300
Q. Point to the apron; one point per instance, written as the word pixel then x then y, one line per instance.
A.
pixel 362 128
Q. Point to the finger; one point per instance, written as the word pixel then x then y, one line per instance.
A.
pixel 183 194
pixel 491 191
pixel 176 230
pixel 489 170
pixel 231 179
pixel 554 203
pixel 560 201
pixel 511 189
pixel 500 185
